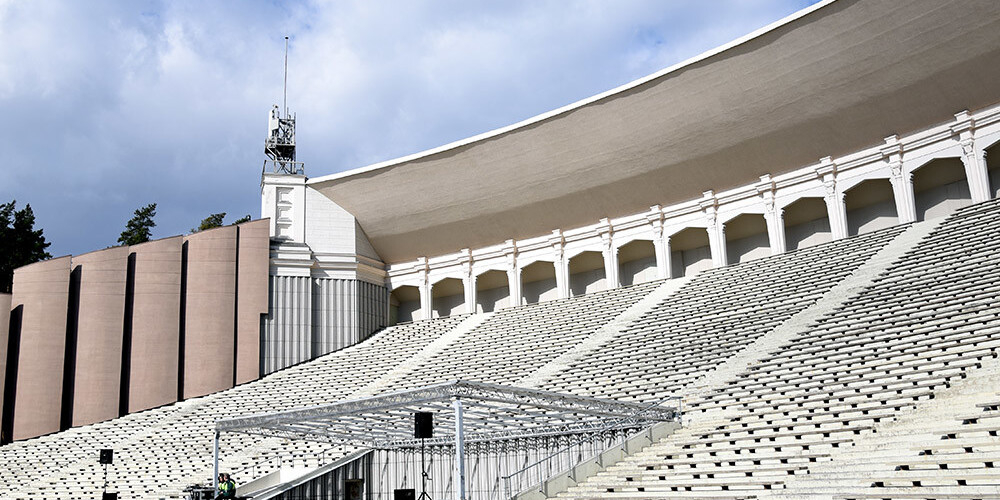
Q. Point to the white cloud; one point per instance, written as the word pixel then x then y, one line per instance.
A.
pixel 108 106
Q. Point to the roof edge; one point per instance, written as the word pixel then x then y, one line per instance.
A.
pixel 578 104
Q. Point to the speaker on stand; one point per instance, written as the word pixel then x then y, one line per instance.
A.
pixel 423 428
pixel 106 458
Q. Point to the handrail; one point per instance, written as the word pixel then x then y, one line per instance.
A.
pixel 617 423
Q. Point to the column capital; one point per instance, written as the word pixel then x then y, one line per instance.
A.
pixel 830 188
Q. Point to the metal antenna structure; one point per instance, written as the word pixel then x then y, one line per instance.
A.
pixel 279 147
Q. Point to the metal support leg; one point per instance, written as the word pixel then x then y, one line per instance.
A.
pixel 459 452
pixel 215 476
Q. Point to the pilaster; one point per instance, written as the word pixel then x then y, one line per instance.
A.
pixel 660 244
pixel 468 281
pixel 902 182
pixel 513 274
pixel 836 210
pixel 425 289
pixel 973 158
pixel 716 232
pixel 610 254
pixel 561 263
pixel 773 217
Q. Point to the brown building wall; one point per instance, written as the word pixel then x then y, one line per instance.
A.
pixel 43 291
pixel 156 309
pixel 254 255
pixel 210 301
pixel 5 305
pixel 99 334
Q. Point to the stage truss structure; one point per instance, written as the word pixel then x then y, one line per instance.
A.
pixel 464 412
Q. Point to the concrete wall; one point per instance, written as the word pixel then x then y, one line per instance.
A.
pixel 252 297
pixel 492 299
pixel 108 332
pixel 155 353
pixel 539 291
pixel 690 262
pixel 749 248
pixel 808 234
pixel 99 329
pixel 210 302
pixel 638 271
pixel 42 289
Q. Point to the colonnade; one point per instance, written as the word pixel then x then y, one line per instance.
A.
pixel 830 182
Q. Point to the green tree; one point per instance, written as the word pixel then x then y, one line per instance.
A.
pixel 139 227
pixel 241 220
pixel 214 220
pixel 20 243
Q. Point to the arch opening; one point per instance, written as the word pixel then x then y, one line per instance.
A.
pixel 492 291
pixel 586 273
pixel 636 262
pixel 689 251
pixel 538 282
pixel 940 187
pixel 404 304
pixel 870 206
pixel 746 238
pixel 807 223
pixel 447 297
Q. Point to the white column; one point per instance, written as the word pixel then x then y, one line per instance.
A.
pixel 469 286
pixel 514 284
pixel 902 191
pixel 459 451
pixel 669 259
pixel 513 275
pixel 425 290
pixel 660 247
pixel 772 216
pixel 716 239
pixel 468 281
pixel 976 171
pixel 836 211
pixel 561 264
pixel 610 254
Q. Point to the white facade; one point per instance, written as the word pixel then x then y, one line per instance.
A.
pixel 327 284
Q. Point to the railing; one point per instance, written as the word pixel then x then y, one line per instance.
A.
pixel 283 167
pixel 543 468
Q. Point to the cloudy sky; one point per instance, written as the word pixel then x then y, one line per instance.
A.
pixel 108 106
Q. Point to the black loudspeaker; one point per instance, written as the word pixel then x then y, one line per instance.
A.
pixel 423 425
pixel 107 455
pixel 109 496
pixel 409 494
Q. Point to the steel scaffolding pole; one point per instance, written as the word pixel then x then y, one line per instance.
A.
pixel 459 451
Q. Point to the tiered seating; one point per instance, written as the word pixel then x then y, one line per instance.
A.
pixel 515 342
pixel 924 323
pixel 966 455
pixel 168 445
pixel 717 314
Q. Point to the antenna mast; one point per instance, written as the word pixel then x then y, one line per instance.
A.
pixel 280 143
pixel 284 103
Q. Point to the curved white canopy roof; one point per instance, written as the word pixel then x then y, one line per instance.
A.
pixel 827 81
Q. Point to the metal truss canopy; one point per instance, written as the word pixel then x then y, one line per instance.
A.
pixel 488 413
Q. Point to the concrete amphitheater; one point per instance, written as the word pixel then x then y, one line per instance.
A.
pixel 772 271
